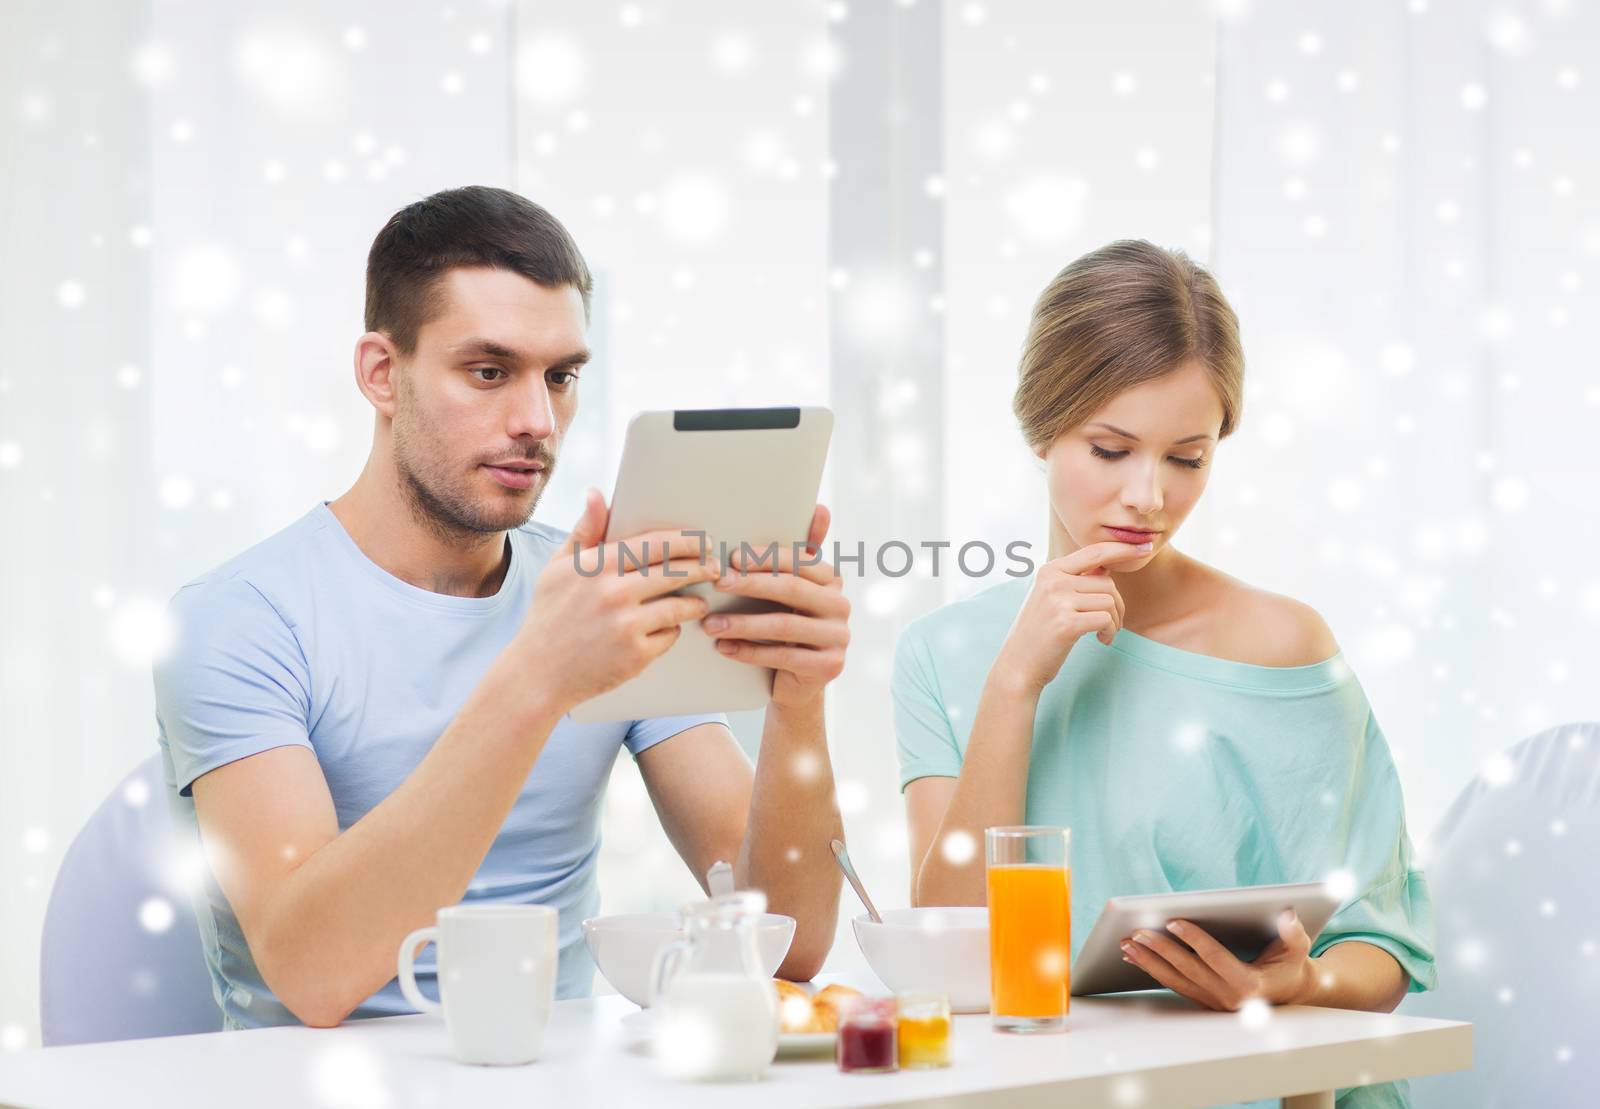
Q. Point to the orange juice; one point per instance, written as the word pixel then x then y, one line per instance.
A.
pixel 1030 940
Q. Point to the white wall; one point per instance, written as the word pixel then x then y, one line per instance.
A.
pixel 1411 232
pixel 208 177
pixel 189 192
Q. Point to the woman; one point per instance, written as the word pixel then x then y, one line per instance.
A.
pixel 1193 731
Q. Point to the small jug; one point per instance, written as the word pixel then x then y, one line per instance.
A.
pixel 715 1011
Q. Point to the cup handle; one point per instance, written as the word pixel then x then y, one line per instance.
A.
pixel 665 966
pixel 406 968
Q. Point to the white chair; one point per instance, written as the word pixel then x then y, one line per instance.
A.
pixel 1514 868
pixel 120 956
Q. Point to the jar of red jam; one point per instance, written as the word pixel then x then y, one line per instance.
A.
pixel 868 1043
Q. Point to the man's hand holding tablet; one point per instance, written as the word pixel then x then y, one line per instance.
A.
pixel 806 646
pixel 614 623
pixel 742 482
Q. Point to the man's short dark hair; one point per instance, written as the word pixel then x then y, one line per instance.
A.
pixel 472 226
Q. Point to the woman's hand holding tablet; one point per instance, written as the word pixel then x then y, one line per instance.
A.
pixel 1219 948
pixel 1192 963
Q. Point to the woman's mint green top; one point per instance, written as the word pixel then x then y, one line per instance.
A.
pixel 1179 771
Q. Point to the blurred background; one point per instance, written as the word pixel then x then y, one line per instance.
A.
pixel 845 203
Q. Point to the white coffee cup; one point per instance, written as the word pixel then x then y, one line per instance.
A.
pixel 497 978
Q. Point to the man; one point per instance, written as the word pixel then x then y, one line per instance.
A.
pixel 365 715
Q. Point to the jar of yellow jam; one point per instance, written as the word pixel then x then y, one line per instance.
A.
pixel 923 1030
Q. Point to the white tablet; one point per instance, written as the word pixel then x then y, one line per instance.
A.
pixel 741 475
pixel 1244 920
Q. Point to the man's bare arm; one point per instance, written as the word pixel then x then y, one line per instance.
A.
pixel 324 912
pixel 794 815
pixel 772 823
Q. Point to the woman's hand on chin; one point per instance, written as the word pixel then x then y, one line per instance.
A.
pixel 1072 596
pixel 1188 961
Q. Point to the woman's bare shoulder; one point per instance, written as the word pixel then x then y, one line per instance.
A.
pixel 1264 628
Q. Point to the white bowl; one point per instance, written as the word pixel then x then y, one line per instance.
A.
pixel 624 946
pixel 943 948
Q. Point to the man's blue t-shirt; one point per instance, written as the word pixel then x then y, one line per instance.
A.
pixel 304 641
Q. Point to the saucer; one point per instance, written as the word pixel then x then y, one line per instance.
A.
pixel 790 1044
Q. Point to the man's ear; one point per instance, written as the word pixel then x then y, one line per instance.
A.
pixel 376 364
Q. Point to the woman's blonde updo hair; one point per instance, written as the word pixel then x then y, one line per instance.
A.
pixel 1117 317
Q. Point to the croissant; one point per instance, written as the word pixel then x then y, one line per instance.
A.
pixel 795 1012
pixel 827 1003
pixel 799 1011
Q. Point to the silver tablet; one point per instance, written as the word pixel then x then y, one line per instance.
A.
pixel 1244 920
pixel 741 475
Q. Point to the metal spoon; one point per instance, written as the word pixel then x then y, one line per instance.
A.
pixel 855 883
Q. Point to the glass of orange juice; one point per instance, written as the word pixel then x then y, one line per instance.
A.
pixel 1030 927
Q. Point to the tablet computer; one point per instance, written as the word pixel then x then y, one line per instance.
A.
pixel 741 475
pixel 1244 920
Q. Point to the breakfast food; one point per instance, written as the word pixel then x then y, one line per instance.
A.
pixel 795 1013
pixel 799 1011
pixel 828 1002
pixel 923 1031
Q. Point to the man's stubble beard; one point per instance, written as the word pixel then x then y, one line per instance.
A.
pixel 449 511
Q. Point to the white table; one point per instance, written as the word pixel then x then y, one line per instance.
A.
pixel 1155 1051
